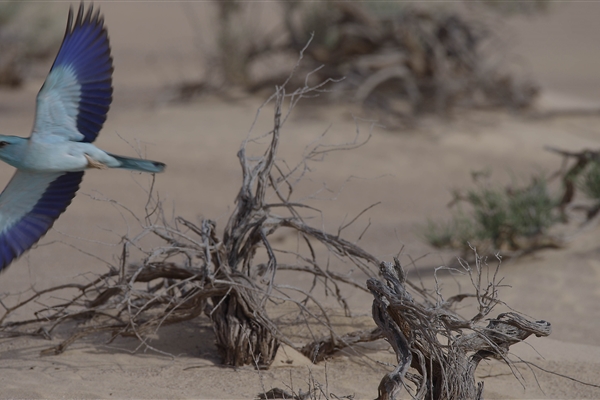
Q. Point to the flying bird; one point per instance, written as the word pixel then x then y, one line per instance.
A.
pixel 71 108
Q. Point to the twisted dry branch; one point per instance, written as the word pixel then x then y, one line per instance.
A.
pixel 444 369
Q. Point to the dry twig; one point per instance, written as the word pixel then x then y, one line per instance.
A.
pixel 444 369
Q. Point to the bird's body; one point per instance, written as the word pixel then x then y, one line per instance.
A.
pixel 71 109
pixel 54 154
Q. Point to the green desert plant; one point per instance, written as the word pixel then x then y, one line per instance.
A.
pixel 450 234
pixel 497 218
pixel 590 181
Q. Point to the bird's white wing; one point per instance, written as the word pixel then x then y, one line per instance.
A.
pixel 77 93
pixel 29 205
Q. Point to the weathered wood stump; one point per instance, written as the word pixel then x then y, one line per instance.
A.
pixel 443 371
pixel 243 336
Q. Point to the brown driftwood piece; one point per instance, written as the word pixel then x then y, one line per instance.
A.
pixel 569 178
pixel 443 371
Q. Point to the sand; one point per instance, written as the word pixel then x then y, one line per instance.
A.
pixel 410 173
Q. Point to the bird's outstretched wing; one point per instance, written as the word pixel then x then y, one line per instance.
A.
pixel 77 93
pixel 29 205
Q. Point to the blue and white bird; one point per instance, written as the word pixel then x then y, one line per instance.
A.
pixel 71 109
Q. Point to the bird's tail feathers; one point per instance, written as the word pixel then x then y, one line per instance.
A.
pixel 137 164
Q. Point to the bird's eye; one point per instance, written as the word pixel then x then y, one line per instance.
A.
pixel 3 143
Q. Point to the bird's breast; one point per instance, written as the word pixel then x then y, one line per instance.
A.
pixel 44 156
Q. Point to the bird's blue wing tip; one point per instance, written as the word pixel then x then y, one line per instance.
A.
pixel 28 230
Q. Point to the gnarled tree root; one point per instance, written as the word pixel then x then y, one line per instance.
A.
pixel 443 370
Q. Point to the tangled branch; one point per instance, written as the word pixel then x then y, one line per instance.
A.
pixel 444 368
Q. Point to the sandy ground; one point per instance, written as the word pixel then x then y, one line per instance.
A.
pixel 410 173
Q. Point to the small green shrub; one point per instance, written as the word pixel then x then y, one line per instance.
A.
pixel 590 181
pixel 450 234
pixel 497 217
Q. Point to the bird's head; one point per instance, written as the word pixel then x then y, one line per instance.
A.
pixel 11 149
